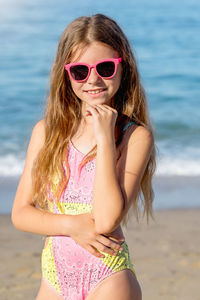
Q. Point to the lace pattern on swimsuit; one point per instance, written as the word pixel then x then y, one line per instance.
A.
pixel 69 268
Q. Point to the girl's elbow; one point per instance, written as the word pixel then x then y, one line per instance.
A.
pixel 102 226
pixel 15 219
pixel 108 222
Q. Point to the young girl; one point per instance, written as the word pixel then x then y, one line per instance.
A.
pixel 89 160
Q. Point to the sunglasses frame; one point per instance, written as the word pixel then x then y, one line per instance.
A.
pixel 116 61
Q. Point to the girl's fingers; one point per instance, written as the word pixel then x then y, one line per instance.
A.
pixel 104 108
pixel 108 107
pixel 94 111
pixel 103 111
pixel 109 243
pixel 94 251
pixel 98 109
pixel 101 107
pixel 104 249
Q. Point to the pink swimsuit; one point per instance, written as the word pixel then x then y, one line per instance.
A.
pixel 69 268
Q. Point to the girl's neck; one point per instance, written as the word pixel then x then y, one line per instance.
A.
pixel 85 131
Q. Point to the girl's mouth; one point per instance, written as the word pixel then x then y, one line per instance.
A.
pixel 95 92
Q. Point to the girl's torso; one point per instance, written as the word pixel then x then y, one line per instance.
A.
pixel 77 196
pixel 65 264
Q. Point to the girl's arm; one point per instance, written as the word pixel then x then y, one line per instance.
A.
pixel 115 186
pixel 25 216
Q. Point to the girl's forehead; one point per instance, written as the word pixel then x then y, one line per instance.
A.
pixel 78 51
pixel 94 50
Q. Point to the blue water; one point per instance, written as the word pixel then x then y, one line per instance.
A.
pixel 165 39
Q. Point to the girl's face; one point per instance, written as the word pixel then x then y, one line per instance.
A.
pixel 96 90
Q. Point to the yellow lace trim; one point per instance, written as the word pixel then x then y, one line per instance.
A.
pixel 120 262
pixel 49 267
pixel 71 208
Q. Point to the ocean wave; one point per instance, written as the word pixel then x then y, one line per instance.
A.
pixel 168 165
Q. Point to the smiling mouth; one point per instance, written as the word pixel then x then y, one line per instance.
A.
pixel 93 92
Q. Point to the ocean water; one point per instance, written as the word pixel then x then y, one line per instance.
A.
pixel 164 36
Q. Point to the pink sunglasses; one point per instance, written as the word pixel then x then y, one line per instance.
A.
pixel 105 68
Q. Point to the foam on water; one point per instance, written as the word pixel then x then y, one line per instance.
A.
pixel 12 165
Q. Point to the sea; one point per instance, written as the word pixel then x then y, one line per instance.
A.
pixel 164 36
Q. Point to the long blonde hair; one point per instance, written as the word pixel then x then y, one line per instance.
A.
pixel 63 112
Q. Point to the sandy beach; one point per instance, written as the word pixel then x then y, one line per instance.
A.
pixel 165 254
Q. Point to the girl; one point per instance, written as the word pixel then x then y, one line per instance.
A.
pixel 89 160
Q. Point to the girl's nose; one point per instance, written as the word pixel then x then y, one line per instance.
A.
pixel 93 76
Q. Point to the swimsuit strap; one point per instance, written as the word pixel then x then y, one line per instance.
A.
pixel 127 125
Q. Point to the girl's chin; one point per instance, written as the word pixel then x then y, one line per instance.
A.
pixel 97 100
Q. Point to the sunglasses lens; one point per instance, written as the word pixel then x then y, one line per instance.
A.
pixel 106 69
pixel 79 72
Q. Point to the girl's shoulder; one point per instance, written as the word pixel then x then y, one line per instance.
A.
pixel 37 138
pixel 39 130
pixel 134 132
pixel 41 125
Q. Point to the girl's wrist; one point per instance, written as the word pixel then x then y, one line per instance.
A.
pixel 67 224
pixel 107 145
pixel 106 141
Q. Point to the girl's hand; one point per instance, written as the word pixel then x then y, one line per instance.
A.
pixel 83 232
pixel 104 119
pixel 117 235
